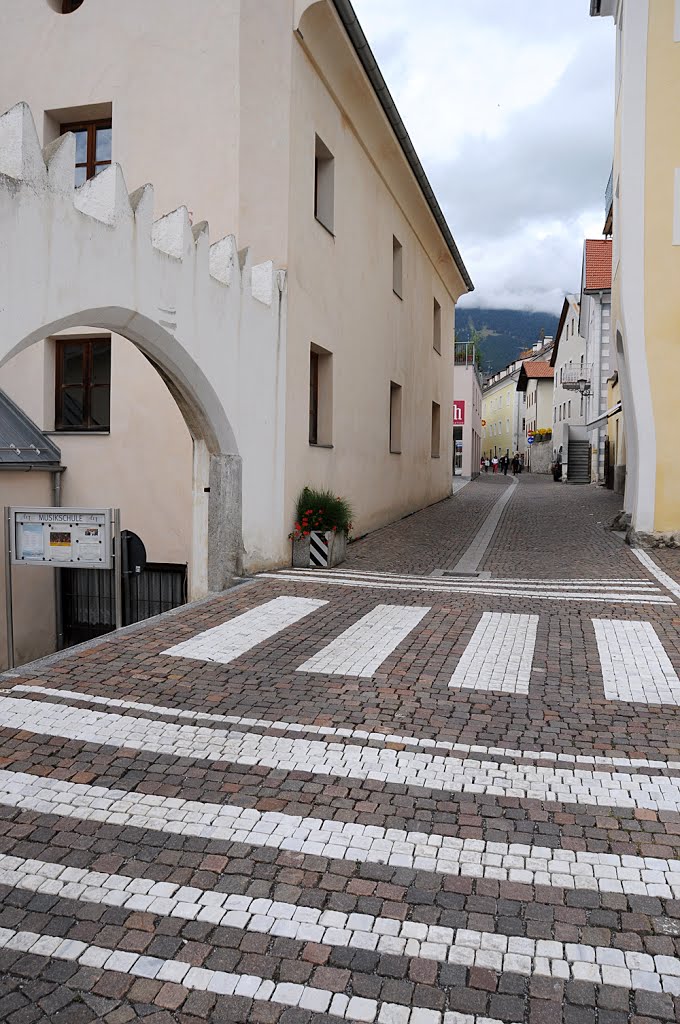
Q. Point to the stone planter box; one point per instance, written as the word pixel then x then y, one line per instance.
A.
pixel 327 549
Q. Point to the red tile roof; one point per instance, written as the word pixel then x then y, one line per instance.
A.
pixel 538 369
pixel 598 264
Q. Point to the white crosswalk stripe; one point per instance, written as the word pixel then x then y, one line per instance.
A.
pixel 345 732
pixel 449 576
pixel 230 640
pixel 635 666
pixel 532 865
pixel 499 655
pixel 318 757
pixel 362 648
pixel 620 594
pixel 381 934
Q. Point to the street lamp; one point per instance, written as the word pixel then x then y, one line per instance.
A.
pixel 583 387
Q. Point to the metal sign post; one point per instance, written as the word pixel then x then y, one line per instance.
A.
pixel 118 568
pixel 8 589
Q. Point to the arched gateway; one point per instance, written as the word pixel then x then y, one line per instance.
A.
pixel 209 322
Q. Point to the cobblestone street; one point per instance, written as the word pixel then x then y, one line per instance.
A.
pixel 394 792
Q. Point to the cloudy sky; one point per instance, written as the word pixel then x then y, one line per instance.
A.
pixel 510 106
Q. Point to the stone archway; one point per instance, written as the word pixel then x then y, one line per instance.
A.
pixel 94 256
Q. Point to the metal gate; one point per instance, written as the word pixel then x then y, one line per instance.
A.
pixel 89 605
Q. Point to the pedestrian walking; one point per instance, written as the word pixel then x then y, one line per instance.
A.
pixel 481 464
pixel 515 464
pixel 494 463
pixel 521 462
pixel 486 465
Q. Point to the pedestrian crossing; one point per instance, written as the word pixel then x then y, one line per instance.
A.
pixel 231 639
pixel 343 760
pixel 623 591
pixel 498 657
pixel 361 649
pixel 465 946
pixel 529 867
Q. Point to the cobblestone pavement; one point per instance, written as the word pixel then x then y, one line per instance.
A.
pixel 382 793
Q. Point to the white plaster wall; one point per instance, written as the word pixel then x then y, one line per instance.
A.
pixel 629 281
pixel 466 389
pixel 151 73
pixel 341 298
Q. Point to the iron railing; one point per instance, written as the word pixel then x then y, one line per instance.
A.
pixel 570 377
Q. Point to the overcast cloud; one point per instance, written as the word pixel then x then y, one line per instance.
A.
pixel 510 106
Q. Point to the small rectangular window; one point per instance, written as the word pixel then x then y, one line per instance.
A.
pixel 396 267
pixel 436 430
pixel 324 184
pixel 395 418
pixel 93 147
pixel 320 396
pixel 437 327
pixel 569 408
pixel 83 384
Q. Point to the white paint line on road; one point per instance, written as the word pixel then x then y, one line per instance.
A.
pixel 344 732
pixel 229 640
pixel 317 757
pixel 362 648
pixel 380 934
pixel 470 560
pixel 489 589
pixel 515 862
pixel 635 666
pixel 448 577
pixel 499 654
pixel 664 579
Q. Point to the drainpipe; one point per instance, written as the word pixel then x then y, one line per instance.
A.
pixel 58 609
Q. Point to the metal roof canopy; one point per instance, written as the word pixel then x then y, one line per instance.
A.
pixel 22 443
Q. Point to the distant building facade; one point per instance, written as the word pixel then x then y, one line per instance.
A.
pixel 595 329
pixel 467 410
pixel 572 378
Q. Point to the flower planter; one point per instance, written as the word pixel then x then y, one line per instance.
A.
pixel 320 550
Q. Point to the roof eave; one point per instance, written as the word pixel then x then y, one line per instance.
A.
pixel 363 51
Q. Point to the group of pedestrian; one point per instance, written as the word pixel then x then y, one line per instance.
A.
pixel 502 465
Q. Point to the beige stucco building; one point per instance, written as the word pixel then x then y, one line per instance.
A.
pixel 268 120
pixel 646 256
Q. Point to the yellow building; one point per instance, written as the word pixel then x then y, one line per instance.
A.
pixel 646 254
pixel 500 409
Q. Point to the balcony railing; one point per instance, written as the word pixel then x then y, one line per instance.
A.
pixel 465 353
pixel 570 379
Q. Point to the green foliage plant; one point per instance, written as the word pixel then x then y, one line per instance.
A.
pixel 320 511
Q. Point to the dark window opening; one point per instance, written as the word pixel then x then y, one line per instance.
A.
pixel 313 397
pixel 83 384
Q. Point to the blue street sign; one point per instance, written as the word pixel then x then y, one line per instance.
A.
pixel 530 440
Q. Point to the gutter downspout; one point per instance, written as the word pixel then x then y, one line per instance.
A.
pixel 370 65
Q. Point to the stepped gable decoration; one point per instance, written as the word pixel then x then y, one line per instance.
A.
pixel 205 317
